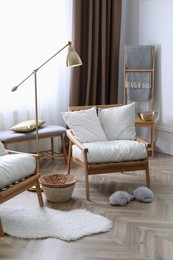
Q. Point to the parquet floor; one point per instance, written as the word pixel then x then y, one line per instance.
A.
pixel 140 231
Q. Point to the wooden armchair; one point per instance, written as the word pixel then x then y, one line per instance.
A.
pixel 13 180
pixel 132 155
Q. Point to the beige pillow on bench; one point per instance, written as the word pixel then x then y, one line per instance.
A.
pixel 26 126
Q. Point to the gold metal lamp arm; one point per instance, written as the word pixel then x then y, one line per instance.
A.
pixel 53 56
pixel 73 59
pixel 16 87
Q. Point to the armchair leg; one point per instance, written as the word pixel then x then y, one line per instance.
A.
pixel 39 195
pixel 86 177
pixel 147 177
pixel 69 157
pixel 1 229
pixel 63 148
pixel 87 185
pixel 87 188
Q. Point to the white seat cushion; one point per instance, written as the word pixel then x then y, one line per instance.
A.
pixel 14 167
pixel 112 151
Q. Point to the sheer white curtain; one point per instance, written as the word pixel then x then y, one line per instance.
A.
pixel 31 32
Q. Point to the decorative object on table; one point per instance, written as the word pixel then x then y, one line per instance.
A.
pixel 121 198
pixel 58 187
pixel 35 223
pixel 72 60
pixel 148 116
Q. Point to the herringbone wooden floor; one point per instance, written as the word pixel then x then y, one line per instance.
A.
pixel 140 231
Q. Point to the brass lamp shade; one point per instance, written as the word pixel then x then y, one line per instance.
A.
pixel 73 58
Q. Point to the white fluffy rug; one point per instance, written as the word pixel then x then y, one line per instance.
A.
pixel 32 223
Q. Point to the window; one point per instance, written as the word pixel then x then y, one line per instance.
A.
pixel 31 32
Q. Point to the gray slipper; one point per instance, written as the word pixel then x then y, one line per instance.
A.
pixel 120 198
pixel 143 194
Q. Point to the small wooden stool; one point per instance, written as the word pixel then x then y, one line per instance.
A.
pixel 46 131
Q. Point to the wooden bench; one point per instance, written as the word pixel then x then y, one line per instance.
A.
pixel 47 131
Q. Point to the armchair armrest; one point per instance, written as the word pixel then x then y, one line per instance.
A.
pixel 139 139
pixel 16 152
pixel 76 142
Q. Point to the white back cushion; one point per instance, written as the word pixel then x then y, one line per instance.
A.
pixel 85 125
pixel 118 123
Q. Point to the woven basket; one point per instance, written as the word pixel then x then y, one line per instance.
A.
pixel 57 187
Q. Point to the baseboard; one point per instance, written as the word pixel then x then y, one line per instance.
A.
pixel 163 147
pixel 163 139
pixel 163 129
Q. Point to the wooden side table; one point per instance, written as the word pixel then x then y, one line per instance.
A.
pixel 142 123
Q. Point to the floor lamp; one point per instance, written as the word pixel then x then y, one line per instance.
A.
pixel 72 60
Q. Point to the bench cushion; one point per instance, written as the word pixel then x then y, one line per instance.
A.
pixel 112 151
pixel 8 136
pixel 14 167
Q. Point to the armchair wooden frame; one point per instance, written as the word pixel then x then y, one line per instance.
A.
pixel 21 186
pixel 102 168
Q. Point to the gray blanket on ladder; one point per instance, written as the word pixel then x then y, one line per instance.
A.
pixel 138 84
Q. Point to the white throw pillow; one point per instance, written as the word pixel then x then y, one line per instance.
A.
pixel 2 150
pixel 85 125
pixel 118 123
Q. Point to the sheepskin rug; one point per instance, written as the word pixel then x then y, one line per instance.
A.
pixel 35 223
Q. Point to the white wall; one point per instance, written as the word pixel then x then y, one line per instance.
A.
pixel 129 35
pixel 150 22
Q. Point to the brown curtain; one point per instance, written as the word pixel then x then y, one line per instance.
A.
pixel 96 37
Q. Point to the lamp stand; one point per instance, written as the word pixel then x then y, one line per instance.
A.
pixel 36 117
pixel 73 59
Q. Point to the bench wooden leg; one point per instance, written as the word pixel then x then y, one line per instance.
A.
pixel 69 157
pixel 39 195
pixel 52 148
pixel 63 148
